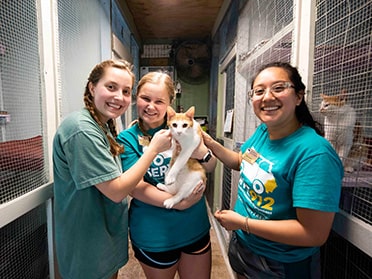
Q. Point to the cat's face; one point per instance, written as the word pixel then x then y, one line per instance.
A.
pixel 180 123
pixel 331 104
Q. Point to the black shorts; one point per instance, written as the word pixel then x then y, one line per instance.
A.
pixel 245 262
pixel 168 258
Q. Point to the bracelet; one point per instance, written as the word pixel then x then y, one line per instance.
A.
pixel 247 225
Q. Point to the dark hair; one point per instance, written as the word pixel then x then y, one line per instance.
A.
pixel 302 111
pixel 95 75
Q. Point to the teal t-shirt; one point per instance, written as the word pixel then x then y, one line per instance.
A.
pixel 300 170
pixel 155 228
pixel 91 231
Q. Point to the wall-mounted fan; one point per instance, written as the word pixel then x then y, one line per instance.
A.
pixel 193 62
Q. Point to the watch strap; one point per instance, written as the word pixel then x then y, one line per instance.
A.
pixel 206 157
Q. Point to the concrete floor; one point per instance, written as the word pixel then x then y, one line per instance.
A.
pixel 220 265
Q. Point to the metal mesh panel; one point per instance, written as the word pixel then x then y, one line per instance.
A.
pixel 79 25
pixel 24 249
pixel 341 259
pixel 22 158
pixel 342 60
pixel 357 201
pixel 23 164
pixel 279 51
pixel 227 30
pixel 342 66
pixel 260 22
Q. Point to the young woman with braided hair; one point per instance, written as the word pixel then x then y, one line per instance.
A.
pixel 90 190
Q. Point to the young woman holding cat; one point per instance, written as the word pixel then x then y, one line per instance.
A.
pixel 165 241
pixel 90 189
pixel 289 187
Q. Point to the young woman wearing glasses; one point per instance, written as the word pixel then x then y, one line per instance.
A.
pixel 289 186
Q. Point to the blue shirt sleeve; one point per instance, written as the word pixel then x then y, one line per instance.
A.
pixel 317 183
pixel 132 149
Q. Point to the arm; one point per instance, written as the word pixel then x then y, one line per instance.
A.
pixel 117 189
pixel 228 157
pixel 149 194
pixel 200 152
pixel 311 228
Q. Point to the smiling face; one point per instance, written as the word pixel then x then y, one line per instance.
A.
pixel 276 110
pixel 152 102
pixel 112 93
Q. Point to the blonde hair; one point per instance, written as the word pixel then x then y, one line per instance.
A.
pixel 95 75
pixel 158 78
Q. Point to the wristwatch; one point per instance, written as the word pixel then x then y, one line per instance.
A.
pixel 206 157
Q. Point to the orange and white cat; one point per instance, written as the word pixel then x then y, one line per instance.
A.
pixel 184 173
pixel 339 123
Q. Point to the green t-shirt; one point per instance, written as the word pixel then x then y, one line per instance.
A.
pixel 301 170
pixel 91 231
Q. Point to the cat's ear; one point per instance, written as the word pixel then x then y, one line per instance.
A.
pixel 170 112
pixel 190 112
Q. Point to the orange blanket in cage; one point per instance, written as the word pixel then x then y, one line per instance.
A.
pixel 22 155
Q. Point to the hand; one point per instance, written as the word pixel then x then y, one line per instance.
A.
pixel 200 150
pixel 161 141
pixel 193 198
pixel 229 219
pixel 199 188
pixel 207 139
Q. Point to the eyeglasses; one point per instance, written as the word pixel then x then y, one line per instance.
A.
pixel 276 88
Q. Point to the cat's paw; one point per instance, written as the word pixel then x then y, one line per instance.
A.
pixel 169 203
pixel 161 186
pixel 169 179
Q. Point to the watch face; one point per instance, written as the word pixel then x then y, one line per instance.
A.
pixel 207 157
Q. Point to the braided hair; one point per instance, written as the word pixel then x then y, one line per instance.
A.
pixel 95 75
